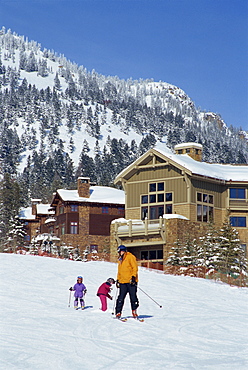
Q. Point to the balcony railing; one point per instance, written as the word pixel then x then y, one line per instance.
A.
pixel 135 228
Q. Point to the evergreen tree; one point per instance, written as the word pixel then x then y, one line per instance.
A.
pixel 176 254
pixel 230 250
pixel 9 204
pixel 16 233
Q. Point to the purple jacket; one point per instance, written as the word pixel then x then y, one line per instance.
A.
pixel 79 290
pixel 104 289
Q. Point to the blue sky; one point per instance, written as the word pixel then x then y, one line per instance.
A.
pixel 200 46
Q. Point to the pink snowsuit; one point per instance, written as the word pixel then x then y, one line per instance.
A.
pixel 103 293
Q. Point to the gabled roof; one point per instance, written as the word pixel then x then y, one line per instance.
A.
pixel 223 172
pixel 98 194
pixel 26 214
pixel 44 209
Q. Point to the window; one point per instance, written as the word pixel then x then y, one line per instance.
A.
pixel 144 255
pixel 144 212
pixel 237 193
pixel 238 221
pixel 74 228
pixel 151 255
pixel 144 199
pixel 121 211
pixel 74 207
pixel 61 210
pixel 205 210
pixel 152 187
pixel 62 229
pixel 156 212
pixel 168 208
pixel 161 186
pixel 105 210
pixel 93 248
pixel 156 195
pixel 153 198
pixel 161 197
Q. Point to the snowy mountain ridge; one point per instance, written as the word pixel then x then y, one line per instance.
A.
pixel 52 110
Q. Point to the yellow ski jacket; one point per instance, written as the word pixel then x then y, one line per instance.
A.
pixel 127 267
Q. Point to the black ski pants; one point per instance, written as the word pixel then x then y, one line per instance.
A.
pixel 124 289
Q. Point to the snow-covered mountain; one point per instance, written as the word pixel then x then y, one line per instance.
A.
pixel 57 115
pixel 202 324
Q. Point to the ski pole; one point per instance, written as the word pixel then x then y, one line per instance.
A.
pixel 114 301
pixel 69 299
pixel 150 297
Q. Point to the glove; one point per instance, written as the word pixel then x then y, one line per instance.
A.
pixel 133 281
pixel 70 288
pixel 111 298
pixel 85 291
pixel 117 284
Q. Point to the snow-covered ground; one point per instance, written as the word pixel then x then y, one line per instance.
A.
pixel 202 325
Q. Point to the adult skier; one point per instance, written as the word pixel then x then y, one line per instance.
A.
pixel 80 290
pixel 127 279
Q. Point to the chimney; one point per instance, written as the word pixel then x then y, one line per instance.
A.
pixel 83 187
pixel 34 203
pixel 194 150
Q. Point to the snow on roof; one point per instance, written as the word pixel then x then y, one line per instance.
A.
pixel 26 213
pixel 187 145
pixel 44 209
pixel 98 194
pixel 174 215
pixel 141 222
pixel 226 172
pixel 50 219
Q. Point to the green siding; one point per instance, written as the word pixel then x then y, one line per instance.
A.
pixel 175 185
pixel 217 190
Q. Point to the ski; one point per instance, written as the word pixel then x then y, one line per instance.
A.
pixel 123 319
pixel 139 319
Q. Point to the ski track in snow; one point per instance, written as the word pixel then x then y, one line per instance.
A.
pixel 202 325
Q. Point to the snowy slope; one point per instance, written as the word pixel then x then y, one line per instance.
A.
pixel 202 325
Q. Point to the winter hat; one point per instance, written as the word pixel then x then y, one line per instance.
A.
pixel 121 248
pixel 80 277
pixel 111 280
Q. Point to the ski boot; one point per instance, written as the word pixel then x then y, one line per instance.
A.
pixel 134 313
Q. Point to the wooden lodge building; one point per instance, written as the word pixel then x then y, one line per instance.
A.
pixel 38 219
pixel 76 218
pixel 168 196
pixel 83 216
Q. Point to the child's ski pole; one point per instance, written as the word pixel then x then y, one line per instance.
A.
pixel 69 299
pixel 150 297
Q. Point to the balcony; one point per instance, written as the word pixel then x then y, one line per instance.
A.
pixel 138 228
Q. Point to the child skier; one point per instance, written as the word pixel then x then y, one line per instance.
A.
pixel 80 290
pixel 103 292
